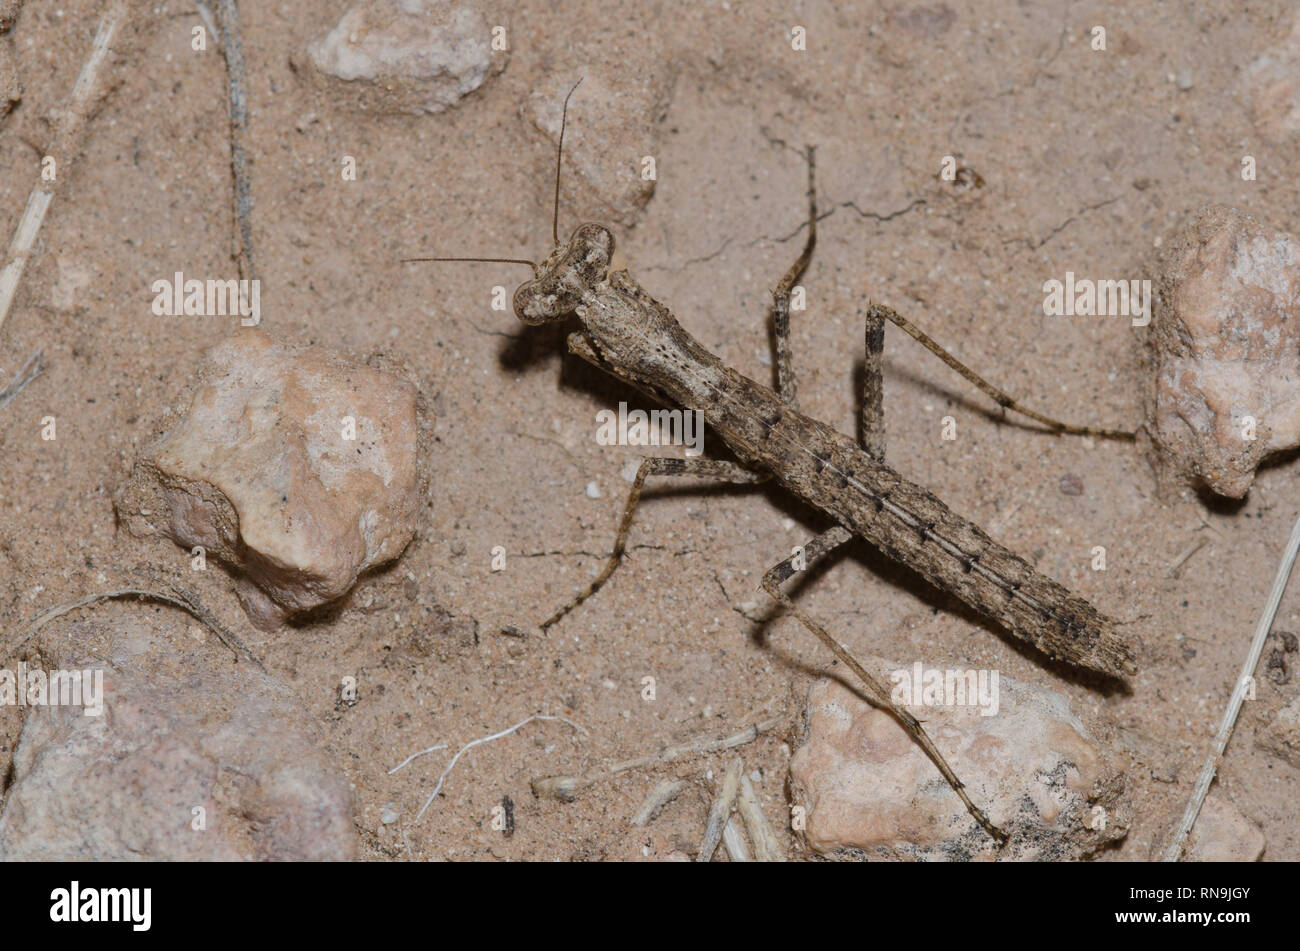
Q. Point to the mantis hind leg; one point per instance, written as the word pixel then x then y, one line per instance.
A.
pixel 820 546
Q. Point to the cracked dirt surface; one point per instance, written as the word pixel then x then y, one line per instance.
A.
pixel 1076 160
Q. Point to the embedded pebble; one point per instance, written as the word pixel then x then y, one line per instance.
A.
pixel 1281 735
pixel 612 134
pixel 1223 834
pixel 69 289
pixel 193 757
pixel 295 467
pixel 1032 766
pixel 1224 352
pixel 389 815
pixel 409 56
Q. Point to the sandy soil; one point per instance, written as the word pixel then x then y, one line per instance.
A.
pixel 1086 159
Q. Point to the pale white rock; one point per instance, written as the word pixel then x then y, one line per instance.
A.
pixel 1223 834
pixel 296 467
pixel 194 757
pixel 867 786
pixel 409 56
pixel 69 289
pixel 1281 735
pixel 1224 391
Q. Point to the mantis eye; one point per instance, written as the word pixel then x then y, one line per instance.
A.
pixel 533 305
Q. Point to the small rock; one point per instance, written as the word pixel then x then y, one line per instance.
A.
pixel 295 467
pixel 193 758
pixel 922 22
pixel 1282 734
pixel 69 288
pixel 389 815
pixel 613 125
pixel 8 13
pixel 593 490
pixel 1071 484
pixel 866 785
pixel 1272 84
pixel 1223 834
pixel 1225 351
pixel 1184 79
pixel 409 56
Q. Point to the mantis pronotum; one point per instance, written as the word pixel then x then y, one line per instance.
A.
pixel 629 335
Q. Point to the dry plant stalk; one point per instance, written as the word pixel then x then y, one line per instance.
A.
pixel 767 847
pixel 1244 681
pixel 720 811
pixel 567 788
pixel 179 598
pixel 733 840
pixel 226 28
pixel 665 791
pixel 68 128
pixel 469 746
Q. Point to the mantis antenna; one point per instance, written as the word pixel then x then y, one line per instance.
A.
pixel 559 155
pixel 555 217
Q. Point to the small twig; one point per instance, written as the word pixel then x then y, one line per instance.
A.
pixel 440 746
pixel 567 788
pixel 720 811
pixel 486 739
pixel 195 607
pixel 665 791
pixel 20 248
pixel 206 13
pixel 22 378
pixel 1229 722
pixel 767 847
pixel 233 50
pixel 1176 566
pixel 181 599
pixel 733 840
pixel 67 134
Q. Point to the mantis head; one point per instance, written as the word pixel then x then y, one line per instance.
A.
pixel 562 278
pixel 559 282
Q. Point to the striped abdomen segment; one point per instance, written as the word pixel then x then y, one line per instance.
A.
pixel 914 527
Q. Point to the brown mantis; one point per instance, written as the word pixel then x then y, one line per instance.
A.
pixel 629 335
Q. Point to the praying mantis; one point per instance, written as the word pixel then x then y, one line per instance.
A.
pixel 623 331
